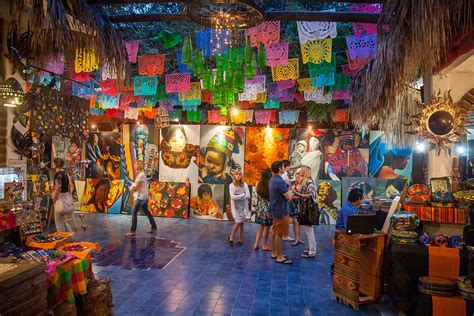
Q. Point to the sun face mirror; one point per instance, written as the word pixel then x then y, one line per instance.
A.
pixel 441 123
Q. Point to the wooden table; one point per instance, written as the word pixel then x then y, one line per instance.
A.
pixel 358 268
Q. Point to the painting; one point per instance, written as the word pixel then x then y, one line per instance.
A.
pixel 80 186
pixel 306 148
pixel 346 154
pixel 263 146
pixel 179 152
pixel 365 184
pixel 207 201
pixel 221 153
pixel 141 144
pixel 70 152
pixel 329 200
pixel 169 199
pixel 104 154
pixel 387 162
pixel 102 196
pixel 389 188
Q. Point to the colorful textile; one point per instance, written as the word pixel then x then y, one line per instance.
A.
pixel 267 33
pixel 320 80
pixel 82 254
pixel 177 83
pixel 238 117
pixel 86 60
pixel 277 54
pixel 113 113
pixel 357 63
pixel 340 95
pixel 455 305
pixel 261 97
pixel 182 68
pixel 444 262
pixel 131 114
pixel 132 50
pixel 254 85
pixel 215 117
pixel 107 102
pixel 108 87
pixel 178 159
pixel 151 65
pixel 69 279
pixel 194 116
pixel 261 207
pixel 203 40
pixel 193 94
pixel 404 221
pixel 286 84
pixel 318 96
pixel 166 105
pixel 365 28
pixel 439 214
pixel 271 104
pixel 305 85
pixel 264 117
pixel 341 82
pixel 288 116
pixel 291 71
pixel 55 64
pixel 7 221
pixel 323 67
pixel 362 46
pixel 84 90
pixel 309 31
pixel 145 85
pixel 317 51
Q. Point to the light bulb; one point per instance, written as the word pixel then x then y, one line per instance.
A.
pixel 460 150
pixel 421 147
pixel 235 111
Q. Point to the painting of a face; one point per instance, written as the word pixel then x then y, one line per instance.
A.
pixel 313 143
pixel 206 196
pixel 300 148
pixel 178 141
pixel 214 161
pixel 102 193
pixel 347 146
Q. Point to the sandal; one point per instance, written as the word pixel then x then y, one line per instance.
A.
pixel 300 242
pixel 130 234
pixel 274 257
pixel 285 261
pixel 308 256
pixel 231 242
pixel 239 243
pixel 294 243
pixel 255 248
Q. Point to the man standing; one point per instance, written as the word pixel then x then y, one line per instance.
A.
pixel 279 197
pixel 140 193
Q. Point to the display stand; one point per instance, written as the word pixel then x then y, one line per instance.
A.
pixel 358 268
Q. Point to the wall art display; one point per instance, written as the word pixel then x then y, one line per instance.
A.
pixel 169 199
pixel 70 152
pixel 329 200
pixel 141 143
pixel 80 187
pixel 102 196
pixel 103 150
pixel 179 152
pixel 387 162
pixel 263 146
pixel 347 154
pixel 389 188
pixel 221 153
pixel 306 148
pixel 207 201
pixel 365 184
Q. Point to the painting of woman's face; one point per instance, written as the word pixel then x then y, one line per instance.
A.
pixel 178 141
pixel 102 193
pixel 314 144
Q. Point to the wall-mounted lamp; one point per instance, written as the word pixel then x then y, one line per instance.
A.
pixel 11 94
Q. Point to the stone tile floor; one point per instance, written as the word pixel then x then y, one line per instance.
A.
pixel 203 275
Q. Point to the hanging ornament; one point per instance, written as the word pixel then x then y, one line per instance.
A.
pixel 261 56
pixel 187 51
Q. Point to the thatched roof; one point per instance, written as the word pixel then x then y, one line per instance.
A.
pixel 418 35
pixel 64 25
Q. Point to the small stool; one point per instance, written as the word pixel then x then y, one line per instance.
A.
pixel 71 218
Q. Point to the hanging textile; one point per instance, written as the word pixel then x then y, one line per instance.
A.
pixel 291 71
pixel 284 94
pixel 215 117
pixel 288 95
pixel 249 116
pixel 151 65
pixel 341 115
pixel 193 94
pixel 166 105
pixel 320 80
pixel 49 80
pixel 132 50
pixel 108 71
pixel 288 116
pixel 96 112
pixel 190 105
pixel 80 76
pixel 254 85
pixel 182 68
pixel 324 67
pixel 107 102
pixel 161 93
pixel 248 96
pixel 318 96
pixel 261 97
pixel 150 114
pixel 86 60
pixel 309 31
pixel 340 95
pixel 194 116
pixel 305 85
pixel 267 33
pixel 362 46
pixel 131 114
pixel 286 84
pixel 365 28
pixel 175 115
pixel 277 54
pixel 264 117
pixel 341 82
pixel 55 64
pixel 113 113
pixel 145 85
pixel 357 63
pixel 92 101
pixel 177 83
pixel 238 117
pixel 84 90
pixel 317 51
pixel 203 41
pixel 347 71
pixel 174 99
pixel 271 104
pixel 108 87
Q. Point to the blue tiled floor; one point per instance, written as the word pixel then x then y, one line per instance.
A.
pixel 208 277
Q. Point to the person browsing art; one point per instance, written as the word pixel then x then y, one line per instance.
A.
pixel 239 198
pixel 140 193
pixel 350 208
pixel 62 196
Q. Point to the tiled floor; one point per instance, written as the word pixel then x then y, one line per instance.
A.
pixel 208 277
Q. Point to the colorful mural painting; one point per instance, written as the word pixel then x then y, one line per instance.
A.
pixel 329 200
pixel 207 201
pixel 103 152
pixel 102 196
pixel 306 148
pixel 169 199
pixel 141 143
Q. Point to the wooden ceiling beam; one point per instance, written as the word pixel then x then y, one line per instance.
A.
pixel 271 16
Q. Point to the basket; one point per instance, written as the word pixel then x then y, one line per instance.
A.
pixel 50 245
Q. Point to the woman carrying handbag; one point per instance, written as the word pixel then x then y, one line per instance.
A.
pixel 305 198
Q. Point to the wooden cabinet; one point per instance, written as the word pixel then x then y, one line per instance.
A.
pixel 358 263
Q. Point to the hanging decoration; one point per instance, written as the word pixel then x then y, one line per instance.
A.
pixel 264 117
pixel 320 80
pixel 151 65
pixel 277 54
pixel 323 67
pixel 131 114
pixel 271 104
pixel 132 50
pixel 161 119
pixel 316 51
pixel 177 83
pixel 286 84
pixel 84 90
pixel 365 28
pixel 215 117
pixel 362 46
pixel 79 76
pixel 266 33
pixel 55 64
pixel 357 63
pixel 288 116
pixel 319 96
pixel 305 85
pixel 341 82
pixel 166 105
pixel 182 68
pixel 340 95
pixel 238 117
pixel 107 102
pixel 145 85
pixel 441 122
pixel 108 87
pixel 261 97
pixel 248 116
pixel 310 31
pixel 291 71
pixel 113 113
pixel 341 115
pixel 175 115
pixel 255 85
pixel 193 94
pixel 194 116
pixel 52 81
pixel 86 60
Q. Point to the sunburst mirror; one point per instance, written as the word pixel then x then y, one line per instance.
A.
pixel 441 122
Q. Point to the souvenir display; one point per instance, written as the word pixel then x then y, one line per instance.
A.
pixel 404 237
pixel 440 241
pixel 441 193
pixel 464 198
pixel 437 286
pixel 168 199
pixel 419 194
pixel 404 221
pixel 425 239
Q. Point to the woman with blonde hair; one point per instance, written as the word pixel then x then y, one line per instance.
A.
pixel 305 194
pixel 239 198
